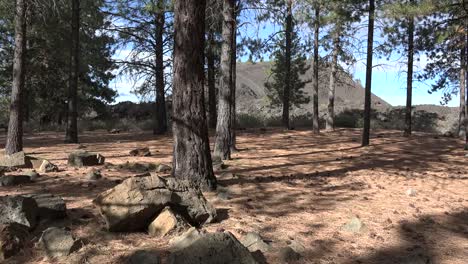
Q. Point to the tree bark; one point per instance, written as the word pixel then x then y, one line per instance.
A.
pixel 330 125
pixel 409 78
pixel 222 147
pixel 234 80
pixel 160 115
pixel 315 118
pixel 72 122
pixel 462 113
pixel 367 99
pixel 210 61
pixel 192 159
pixel 14 142
pixel 287 87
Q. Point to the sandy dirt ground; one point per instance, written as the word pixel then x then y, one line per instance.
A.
pixel 290 187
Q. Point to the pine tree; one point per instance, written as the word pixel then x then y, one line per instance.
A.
pixel 297 62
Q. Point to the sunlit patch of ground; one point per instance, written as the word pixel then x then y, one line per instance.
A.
pixel 290 185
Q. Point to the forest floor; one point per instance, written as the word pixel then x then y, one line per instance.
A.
pixel 288 185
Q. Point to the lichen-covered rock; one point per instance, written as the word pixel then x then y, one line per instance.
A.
pixel 133 204
pixel 12 239
pixel 59 242
pixel 84 158
pixel 18 209
pixel 216 248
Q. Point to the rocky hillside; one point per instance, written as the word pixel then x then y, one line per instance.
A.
pixel 251 94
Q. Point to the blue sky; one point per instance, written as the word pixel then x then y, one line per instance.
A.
pixel 388 81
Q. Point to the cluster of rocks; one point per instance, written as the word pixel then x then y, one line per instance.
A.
pixel 21 214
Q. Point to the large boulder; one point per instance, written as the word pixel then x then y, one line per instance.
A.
pixel 166 223
pixel 12 239
pixel 59 242
pixel 50 206
pixel 133 204
pixel 18 209
pixel 84 158
pixel 216 248
pixel 15 160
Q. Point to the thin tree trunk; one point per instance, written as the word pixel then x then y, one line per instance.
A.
pixel 160 115
pixel 330 125
pixel 210 58
pixel 14 142
pixel 409 78
pixel 462 113
pixel 72 123
pixel 287 86
pixel 192 159
pixel 315 118
pixel 234 81
pixel 222 147
pixel 367 99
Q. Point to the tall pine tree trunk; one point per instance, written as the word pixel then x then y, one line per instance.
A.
pixel 367 98
pixel 192 159
pixel 463 81
pixel 233 80
pixel 288 47
pixel 210 61
pixel 160 115
pixel 222 146
pixel 72 123
pixel 330 125
pixel 315 118
pixel 14 142
pixel 409 77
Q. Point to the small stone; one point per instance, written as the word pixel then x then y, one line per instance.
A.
pixel 253 241
pixel 287 254
pixel 144 257
pixel 166 223
pixel 297 246
pixel 47 166
pixel 411 192
pixel 33 175
pixel 94 175
pixel 12 239
pixel 114 131
pixel 59 242
pixel 164 168
pixel 141 152
pixel 84 158
pixel 355 225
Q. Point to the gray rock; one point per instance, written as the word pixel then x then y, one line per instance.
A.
pixel 59 242
pixel 84 158
pixel 50 206
pixel 287 255
pixel 18 209
pixel 163 168
pixel 13 180
pixel 47 166
pixel 216 248
pixel 94 175
pixel 355 225
pixel 144 257
pixel 15 160
pixel 185 240
pixel 141 152
pixel 297 246
pixel 33 175
pixel 12 239
pixel 132 205
pixel 253 241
